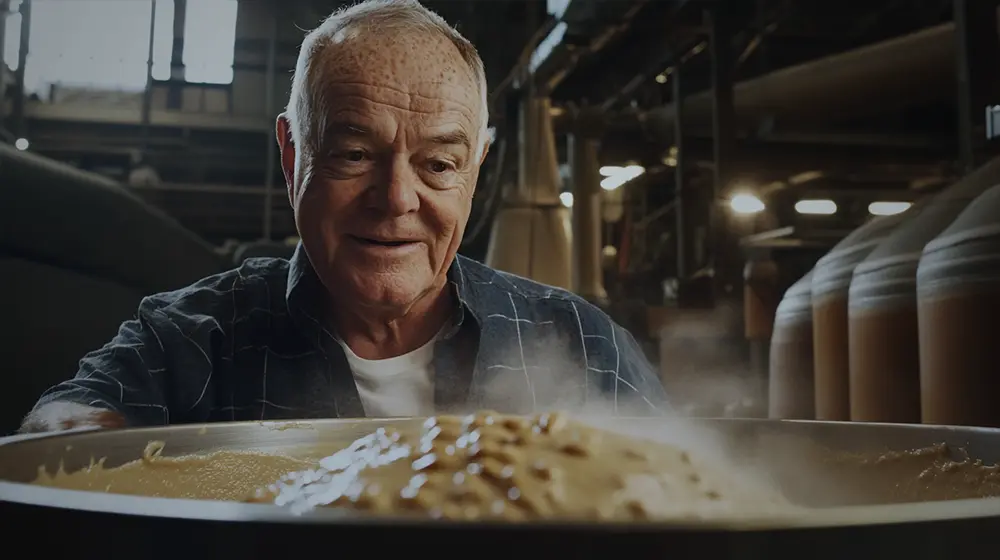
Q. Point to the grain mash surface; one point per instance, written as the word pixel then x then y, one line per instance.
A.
pixel 222 475
pixel 492 466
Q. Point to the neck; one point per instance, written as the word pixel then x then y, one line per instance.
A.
pixel 377 334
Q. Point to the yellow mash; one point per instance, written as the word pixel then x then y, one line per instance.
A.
pixel 482 466
pixel 223 475
pixel 492 466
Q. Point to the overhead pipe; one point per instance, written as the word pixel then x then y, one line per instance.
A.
pixel 915 68
pixel 553 59
pixel 681 56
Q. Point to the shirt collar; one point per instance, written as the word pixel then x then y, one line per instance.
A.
pixel 305 294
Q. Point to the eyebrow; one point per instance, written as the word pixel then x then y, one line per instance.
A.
pixel 348 128
pixel 458 137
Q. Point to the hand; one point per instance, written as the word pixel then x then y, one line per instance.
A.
pixel 59 416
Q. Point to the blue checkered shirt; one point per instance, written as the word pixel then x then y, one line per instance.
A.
pixel 248 344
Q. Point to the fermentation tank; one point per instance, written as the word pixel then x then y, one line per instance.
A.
pixel 958 303
pixel 884 339
pixel 791 392
pixel 830 283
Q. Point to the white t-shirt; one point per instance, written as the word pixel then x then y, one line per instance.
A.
pixel 399 386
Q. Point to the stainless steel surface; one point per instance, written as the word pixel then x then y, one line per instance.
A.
pixel 771 442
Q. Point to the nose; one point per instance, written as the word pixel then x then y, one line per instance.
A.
pixel 395 193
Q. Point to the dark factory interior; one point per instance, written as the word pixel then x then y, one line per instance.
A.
pixel 792 206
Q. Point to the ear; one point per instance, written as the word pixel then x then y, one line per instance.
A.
pixel 486 150
pixel 487 142
pixel 286 146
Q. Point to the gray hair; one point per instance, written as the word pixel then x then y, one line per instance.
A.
pixel 305 111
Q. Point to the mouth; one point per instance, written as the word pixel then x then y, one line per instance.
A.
pixel 381 242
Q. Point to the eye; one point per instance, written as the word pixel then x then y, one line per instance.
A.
pixel 439 166
pixel 354 155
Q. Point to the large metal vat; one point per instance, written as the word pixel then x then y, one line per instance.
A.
pixel 884 349
pixel 83 524
pixel 958 302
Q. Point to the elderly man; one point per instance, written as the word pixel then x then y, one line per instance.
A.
pixel 374 315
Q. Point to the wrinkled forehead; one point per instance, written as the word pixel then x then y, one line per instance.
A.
pixel 423 72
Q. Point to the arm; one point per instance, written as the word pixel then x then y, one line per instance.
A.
pixel 639 382
pixel 128 381
pixel 57 416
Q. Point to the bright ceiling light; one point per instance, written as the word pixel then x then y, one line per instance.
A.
pixel 746 204
pixel 615 177
pixel 888 208
pixel 566 198
pixel 819 207
pixel 609 170
pixel 21 144
pixel 613 182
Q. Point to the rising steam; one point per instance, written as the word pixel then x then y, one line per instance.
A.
pixel 556 383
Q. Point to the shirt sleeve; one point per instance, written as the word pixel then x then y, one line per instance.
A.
pixel 153 372
pixel 638 382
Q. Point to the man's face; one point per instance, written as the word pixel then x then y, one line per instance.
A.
pixel 382 200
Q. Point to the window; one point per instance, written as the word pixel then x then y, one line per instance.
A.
pixel 209 41
pixel 104 44
pixel 557 7
pixel 99 44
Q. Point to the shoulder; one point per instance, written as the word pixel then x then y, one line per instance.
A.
pixel 496 291
pixel 257 279
pixel 610 354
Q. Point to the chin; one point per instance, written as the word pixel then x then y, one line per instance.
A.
pixel 386 291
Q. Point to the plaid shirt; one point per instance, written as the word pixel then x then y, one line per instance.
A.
pixel 248 344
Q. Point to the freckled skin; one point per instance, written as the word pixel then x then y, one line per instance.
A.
pixel 376 172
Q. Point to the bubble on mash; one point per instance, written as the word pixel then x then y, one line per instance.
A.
pixel 493 466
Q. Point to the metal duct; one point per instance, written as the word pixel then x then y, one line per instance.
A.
pixel 61 216
pixel 912 69
pixel 531 235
